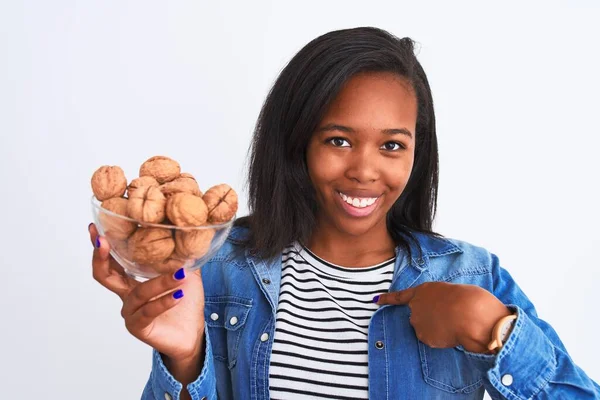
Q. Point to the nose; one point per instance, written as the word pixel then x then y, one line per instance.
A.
pixel 363 166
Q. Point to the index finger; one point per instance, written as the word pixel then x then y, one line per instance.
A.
pixel 398 298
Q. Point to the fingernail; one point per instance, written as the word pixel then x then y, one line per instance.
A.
pixel 98 242
pixel 180 274
pixel 90 225
pixel 178 294
pixel 376 299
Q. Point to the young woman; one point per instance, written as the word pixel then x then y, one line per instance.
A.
pixel 335 285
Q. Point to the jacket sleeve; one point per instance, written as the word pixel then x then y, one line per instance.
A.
pixel 162 385
pixel 533 363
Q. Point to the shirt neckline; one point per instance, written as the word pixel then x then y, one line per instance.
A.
pixel 305 252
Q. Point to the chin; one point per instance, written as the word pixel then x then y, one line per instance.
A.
pixel 356 227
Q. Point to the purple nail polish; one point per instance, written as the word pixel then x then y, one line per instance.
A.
pixel 180 274
pixel 376 299
pixel 98 242
pixel 178 294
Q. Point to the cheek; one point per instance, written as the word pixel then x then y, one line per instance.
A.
pixel 397 181
pixel 323 167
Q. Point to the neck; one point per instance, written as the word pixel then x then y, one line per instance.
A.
pixel 341 248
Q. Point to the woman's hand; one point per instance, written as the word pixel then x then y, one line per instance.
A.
pixel 173 326
pixel 448 314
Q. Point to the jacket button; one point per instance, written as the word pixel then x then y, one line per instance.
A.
pixel 264 337
pixel 233 320
pixel 214 316
pixel 507 380
pixel 379 344
pixel 266 281
pixel 168 396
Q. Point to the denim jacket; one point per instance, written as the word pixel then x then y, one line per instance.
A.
pixel 533 363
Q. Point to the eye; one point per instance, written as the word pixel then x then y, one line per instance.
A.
pixel 392 146
pixel 338 142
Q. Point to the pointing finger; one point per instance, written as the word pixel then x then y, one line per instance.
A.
pixel 397 298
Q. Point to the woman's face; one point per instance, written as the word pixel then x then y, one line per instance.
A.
pixel 361 155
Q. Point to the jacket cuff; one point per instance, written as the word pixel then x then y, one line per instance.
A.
pixel 204 387
pixel 525 363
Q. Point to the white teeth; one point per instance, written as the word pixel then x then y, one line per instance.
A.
pixel 359 202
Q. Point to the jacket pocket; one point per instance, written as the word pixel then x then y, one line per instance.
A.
pixel 449 370
pixel 225 317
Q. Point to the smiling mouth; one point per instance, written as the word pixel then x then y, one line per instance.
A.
pixel 358 207
pixel 358 202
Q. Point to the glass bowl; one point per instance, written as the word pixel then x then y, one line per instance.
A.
pixel 146 250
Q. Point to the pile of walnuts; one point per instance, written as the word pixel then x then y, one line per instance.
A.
pixel 161 195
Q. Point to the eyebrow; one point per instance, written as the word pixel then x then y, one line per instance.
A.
pixel 392 131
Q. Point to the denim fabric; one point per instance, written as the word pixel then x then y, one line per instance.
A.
pixel 236 284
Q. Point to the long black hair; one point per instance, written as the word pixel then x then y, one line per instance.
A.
pixel 282 199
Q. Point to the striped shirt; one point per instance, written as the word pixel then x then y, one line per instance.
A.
pixel 320 349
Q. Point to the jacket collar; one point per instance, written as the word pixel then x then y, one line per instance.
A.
pixel 426 246
pixel 267 273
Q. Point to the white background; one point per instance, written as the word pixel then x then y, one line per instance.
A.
pixel 88 83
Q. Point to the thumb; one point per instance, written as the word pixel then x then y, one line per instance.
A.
pixel 397 298
pixel 101 248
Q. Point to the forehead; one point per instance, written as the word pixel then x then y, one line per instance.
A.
pixel 375 96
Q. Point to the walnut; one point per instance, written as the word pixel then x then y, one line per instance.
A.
pixel 147 204
pixel 193 244
pixel 185 209
pixel 139 183
pixel 184 183
pixel 108 182
pixel 169 265
pixel 163 169
pixel 222 203
pixel 151 245
pixel 115 227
